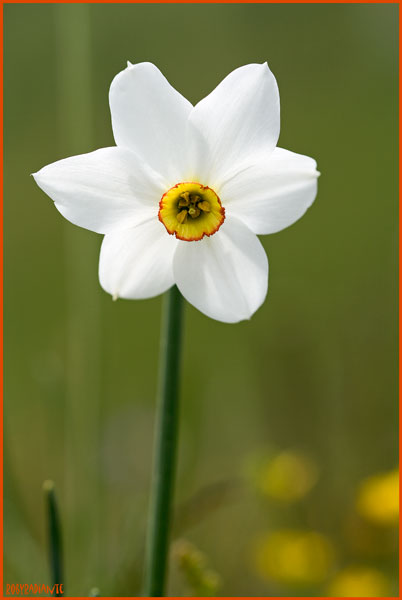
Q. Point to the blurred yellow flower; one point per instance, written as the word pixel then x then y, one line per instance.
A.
pixel 287 477
pixel 359 581
pixel 378 498
pixel 294 557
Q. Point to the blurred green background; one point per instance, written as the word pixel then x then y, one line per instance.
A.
pixel 287 479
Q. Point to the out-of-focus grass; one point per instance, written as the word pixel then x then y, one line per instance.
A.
pixel 314 371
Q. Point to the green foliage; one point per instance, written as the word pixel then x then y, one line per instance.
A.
pixel 201 581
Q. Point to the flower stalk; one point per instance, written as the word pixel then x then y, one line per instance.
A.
pixel 157 543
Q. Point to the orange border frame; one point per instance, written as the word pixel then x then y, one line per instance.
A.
pixel 2 2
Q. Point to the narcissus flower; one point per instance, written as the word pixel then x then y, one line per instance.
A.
pixel 183 195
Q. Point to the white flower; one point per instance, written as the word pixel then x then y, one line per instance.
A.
pixel 182 196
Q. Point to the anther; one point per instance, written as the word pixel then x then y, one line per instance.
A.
pixel 181 217
pixel 205 206
pixel 185 199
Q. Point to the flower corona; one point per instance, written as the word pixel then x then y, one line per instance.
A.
pixel 190 210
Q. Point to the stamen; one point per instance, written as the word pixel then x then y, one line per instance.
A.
pixel 205 206
pixel 186 198
pixel 182 216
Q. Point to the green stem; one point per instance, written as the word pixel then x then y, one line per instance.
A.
pixel 157 545
pixel 54 534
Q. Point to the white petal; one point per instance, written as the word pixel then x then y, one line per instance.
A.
pixel 137 263
pixel 225 276
pixel 238 120
pixel 150 117
pixel 273 193
pixel 102 191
